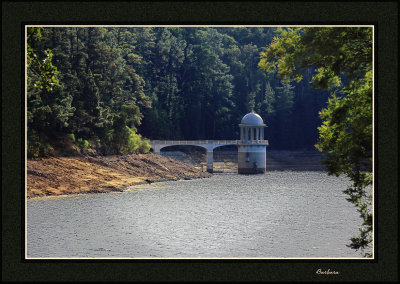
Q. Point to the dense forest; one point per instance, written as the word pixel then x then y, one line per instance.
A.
pixel 105 89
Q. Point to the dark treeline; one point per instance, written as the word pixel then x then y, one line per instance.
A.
pixel 111 84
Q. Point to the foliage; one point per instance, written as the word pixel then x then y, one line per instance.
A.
pixel 334 51
pixel 40 65
pixel 134 143
pixel 71 137
pixel 342 58
pixel 74 106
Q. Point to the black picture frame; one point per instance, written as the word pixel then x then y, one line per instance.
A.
pixel 384 15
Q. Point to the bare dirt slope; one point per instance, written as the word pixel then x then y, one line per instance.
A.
pixel 74 175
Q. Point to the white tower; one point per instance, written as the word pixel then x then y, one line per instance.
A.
pixel 252 146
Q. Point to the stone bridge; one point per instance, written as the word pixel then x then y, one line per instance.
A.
pixel 209 145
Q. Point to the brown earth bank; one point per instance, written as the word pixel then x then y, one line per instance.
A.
pixel 56 176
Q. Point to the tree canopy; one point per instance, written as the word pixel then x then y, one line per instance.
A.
pixel 342 62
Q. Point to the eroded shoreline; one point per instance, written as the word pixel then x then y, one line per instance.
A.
pixel 64 176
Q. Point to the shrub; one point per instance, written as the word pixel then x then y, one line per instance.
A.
pixel 128 142
pixel 47 150
pixel 38 149
pixel 95 142
pixel 86 144
pixel 131 142
pixel 83 143
pixel 34 149
pixel 144 146
pixel 71 137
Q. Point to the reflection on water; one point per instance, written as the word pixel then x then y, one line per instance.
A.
pixel 279 214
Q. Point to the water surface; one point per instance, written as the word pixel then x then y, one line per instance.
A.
pixel 275 215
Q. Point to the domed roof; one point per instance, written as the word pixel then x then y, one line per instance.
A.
pixel 253 119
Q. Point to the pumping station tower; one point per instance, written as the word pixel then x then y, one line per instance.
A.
pixel 252 147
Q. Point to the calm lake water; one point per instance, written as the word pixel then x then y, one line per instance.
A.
pixel 275 215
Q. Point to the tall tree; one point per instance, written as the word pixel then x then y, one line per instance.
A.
pixel 342 58
pixel 49 108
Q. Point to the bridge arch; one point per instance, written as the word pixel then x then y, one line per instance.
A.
pixel 180 146
pixel 208 145
pixel 225 153
pixel 192 154
pixel 218 147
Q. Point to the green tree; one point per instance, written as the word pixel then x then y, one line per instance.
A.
pixel 49 107
pixel 266 106
pixel 283 107
pixel 214 83
pixel 342 58
pixel 39 62
pixel 162 50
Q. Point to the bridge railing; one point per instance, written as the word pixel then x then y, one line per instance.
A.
pixel 225 141
pixel 253 142
pixel 194 142
pixel 179 142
